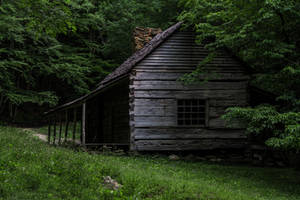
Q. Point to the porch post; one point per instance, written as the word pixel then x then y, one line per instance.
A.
pixel 67 125
pixel 49 129
pixel 83 123
pixel 74 125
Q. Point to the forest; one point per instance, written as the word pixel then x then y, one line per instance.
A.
pixel 55 51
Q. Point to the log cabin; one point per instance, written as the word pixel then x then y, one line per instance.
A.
pixel 143 106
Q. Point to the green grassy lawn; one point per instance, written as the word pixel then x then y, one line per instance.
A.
pixel 31 169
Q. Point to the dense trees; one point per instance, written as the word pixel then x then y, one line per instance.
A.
pixel 52 50
pixel 265 34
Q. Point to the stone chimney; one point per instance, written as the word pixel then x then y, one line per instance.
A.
pixel 143 35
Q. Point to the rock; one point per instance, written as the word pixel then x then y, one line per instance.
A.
pixel 236 157
pixel 257 163
pixel 200 158
pixel 133 153
pixel 190 157
pixel 257 157
pixel 209 157
pixel 174 157
pixel 215 160
pixel 270 164
pixel 280 164
pixel 144 35
pixel 111 183
pixel 119 152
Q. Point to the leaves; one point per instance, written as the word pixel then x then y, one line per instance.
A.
pixel 55 50
pixel 265 35
pixel 283 128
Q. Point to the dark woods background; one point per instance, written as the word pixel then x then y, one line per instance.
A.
pixel 53 51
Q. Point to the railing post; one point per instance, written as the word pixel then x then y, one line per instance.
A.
pixel 54 133
pixel 49 129
pixel 74 125
pixel 67 125
pixel 60 128
pixel 83 122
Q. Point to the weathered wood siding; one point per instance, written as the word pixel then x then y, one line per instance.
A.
pixel 108 116
pixel 154 91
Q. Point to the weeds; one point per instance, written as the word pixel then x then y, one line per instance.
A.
pixel 31 169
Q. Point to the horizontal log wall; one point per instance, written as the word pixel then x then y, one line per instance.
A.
pixel 154 90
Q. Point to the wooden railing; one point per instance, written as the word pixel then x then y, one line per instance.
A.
pixel 63 119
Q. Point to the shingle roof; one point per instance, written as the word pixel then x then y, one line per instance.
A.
pixel 141 54
pixel 124 68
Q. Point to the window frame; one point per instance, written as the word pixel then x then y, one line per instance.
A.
pixel 206 113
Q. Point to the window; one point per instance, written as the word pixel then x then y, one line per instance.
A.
pixel 191 112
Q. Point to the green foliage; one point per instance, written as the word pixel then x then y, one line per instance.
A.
pixel 200 75
pixel 265 34
pixel 31 169
pixel 262 33
pixel 53 51
pixel 283 129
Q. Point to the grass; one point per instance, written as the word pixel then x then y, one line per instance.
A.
pixel 31 169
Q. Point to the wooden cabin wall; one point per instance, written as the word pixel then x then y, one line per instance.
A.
pixel 108 116
pixel 154 90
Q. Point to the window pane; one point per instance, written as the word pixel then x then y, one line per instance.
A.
pixel 180 102
pixel 180 109
pixel 187 109
pixel 191 112
pixel 194 102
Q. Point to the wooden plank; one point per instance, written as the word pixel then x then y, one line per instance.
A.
pixel 190 59
pixel 83 122
pixel 220 123
pixel 60 129
pixel 49 131
pixel 224 94
pixel 181 46
pixel 192 51
pixel 174 75
pixel 216 69
pixel 225 65
pixel 54 129
pixel 178 145
pixel 159 58
pixel 221 102
pixel 167 110
pixel 142 121
pixel 215 112
pixel 131 109
pixel 183 54
pixel 178 43
pixel 112 144
pixel 186 133
pixel 155 102
pixel 189 40
pixel 240 101
pixel 67 126
pixel 213 72
pixel 177 85
pixel 154 121
pixel 74 124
